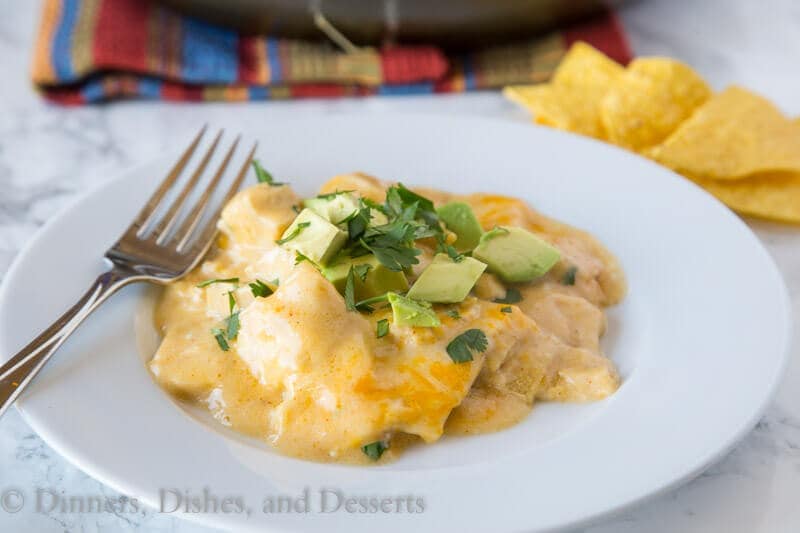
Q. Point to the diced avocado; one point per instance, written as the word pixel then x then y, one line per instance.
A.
pixel 459 218
pixel 316 239
pixel 446 281
pixel 333 208
pixel 515 254
pixel 379 280
pixel 408 312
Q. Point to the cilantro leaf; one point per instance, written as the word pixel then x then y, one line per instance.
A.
pixel 208 282
pixel 230 329
pixel 382 328
pixel 260 289
pixel 505 309
pixel 425 208
pixel 375 206
pixel 393 243
pixel 263 176
pixel 357 223
pixel 449 249
pixel 299 258
pixel 395 258
pixel 232 326
pixel 393 205
pixel 221 340
pixel 512 296
pixel 409 217
pixel 349 290
pixel 294 233
pixel 374 450
pixel 362 270
pixel 569 276
pixel 460 348
pixel 366 305
pixel 453 313
pixel 333 194
pixel 408 206
pixel 231 302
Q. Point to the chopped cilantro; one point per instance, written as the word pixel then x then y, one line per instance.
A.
pixel 393 205
pixel 410 217
pixel 357 223
pixel 361 271
pixel 392 244
pixel 334 194
pixel 232 326
pixel 382 327
pixel 448 249
pixel 299 258
pixel 374 450
pixel 372 204
pixel 395 257
pixel 349 290
pixel 425 208
pixel 512 296
pixel 221 340
pixel 366 305
pixel 260 289
pixel 460 348
pixel 208 282
pixel 505 309
pixel 294 233
pixel 569 276
pixel 453 313
pixel 263 176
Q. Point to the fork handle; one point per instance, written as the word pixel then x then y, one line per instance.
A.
pixel 19 370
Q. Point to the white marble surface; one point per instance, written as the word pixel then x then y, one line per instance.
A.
pixel 48 155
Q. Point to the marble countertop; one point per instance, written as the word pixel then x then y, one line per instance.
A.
pixel 49 155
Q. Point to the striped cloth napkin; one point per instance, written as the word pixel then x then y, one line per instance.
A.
pixel 96 50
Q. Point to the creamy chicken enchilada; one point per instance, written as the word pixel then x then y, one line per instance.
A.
pixel 347 326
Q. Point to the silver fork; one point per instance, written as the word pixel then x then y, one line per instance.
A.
pixel 161 255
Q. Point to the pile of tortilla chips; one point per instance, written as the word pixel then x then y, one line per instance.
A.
pixel 735 144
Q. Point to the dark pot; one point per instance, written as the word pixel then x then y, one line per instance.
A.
pixel 450 23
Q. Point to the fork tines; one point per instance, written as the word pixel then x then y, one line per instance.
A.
pixel 190 236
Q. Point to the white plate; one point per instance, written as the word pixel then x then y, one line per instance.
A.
pixel 700 341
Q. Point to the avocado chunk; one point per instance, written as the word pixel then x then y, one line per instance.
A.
pixel 459 218
pixel 408 312
pixel 314 237
pixel 446 281
pixel 516 254
pixel 335 207
pixel 379 279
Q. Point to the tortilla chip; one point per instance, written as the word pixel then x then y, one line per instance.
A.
pixel 586 68
pixel 562 108
pixel 733 135
pixel 648 102
pixel 774 196
pixel 571 101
